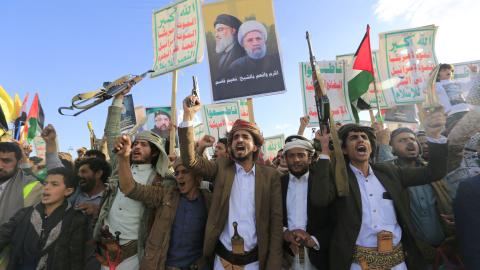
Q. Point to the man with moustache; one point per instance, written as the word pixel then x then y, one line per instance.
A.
pixel 175 240
pixel 17 189
pixel 244 226
pixel 373 227
pixel 119 214
pixel 92 175
pixel 162 124
pixel 304 225
pixel 226 44
pixel 265 68
pixel 427 202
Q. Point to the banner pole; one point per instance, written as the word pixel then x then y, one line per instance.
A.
pixel 251 117
pixel 173 113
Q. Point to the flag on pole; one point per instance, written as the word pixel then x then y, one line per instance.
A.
pixel 3 123
pixel 362 75
pixel 20 121
pixel 6 103
pixel 17 107
pixel 35 120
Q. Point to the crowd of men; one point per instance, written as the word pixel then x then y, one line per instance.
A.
pixel 398 205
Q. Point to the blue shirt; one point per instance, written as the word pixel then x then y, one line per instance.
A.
pixel 425 217
pixel 186 241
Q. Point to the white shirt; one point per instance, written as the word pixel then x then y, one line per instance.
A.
pixel 3 186
pixel 451 94
pixel 297 196
pixel 125 214
pixel 378 214
pixel 242 210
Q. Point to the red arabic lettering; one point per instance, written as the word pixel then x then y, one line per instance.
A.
pixel 424 55
pixel 334 85
pixel 418 81
pixel 395 59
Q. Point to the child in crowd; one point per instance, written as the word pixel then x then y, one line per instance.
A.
pixel 49 235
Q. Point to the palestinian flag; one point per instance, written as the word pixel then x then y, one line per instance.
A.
pixel 20 121
pixel 362 75
pixel 35 119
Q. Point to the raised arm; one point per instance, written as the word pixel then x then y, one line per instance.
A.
pixel 150 195
pixel 49 134
pixel 112 125
pixel 202 144
pixel 195 162
pixel 383 142
pixel 323 185
pixel 304 121
pixel 438 152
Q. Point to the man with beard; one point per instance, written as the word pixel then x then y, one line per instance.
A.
pixel 244 226
pixel 92 175
pixel 304 225
pixel 17 189
pixel 119 214
pixel 265 68
pixel 427 202
pixel 373 228
pixel 162 124
pixel 226 44
pixel 175 240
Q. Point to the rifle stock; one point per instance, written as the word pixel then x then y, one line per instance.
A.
pixel 321 99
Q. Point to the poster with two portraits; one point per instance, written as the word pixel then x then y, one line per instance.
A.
pixel 243 51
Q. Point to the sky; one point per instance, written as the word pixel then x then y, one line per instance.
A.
pixel 62 48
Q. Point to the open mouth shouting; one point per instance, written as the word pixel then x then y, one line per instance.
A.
pixel 361 150
pixel 240 149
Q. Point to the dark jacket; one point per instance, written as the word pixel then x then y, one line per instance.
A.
pixel 467 221
pixel 67 253
pixel 165 202
pixel 320 223
pixel 348 209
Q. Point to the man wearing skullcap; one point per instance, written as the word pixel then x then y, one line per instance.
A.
pixel 226 42
pixel 305 226
pixel 373 228
pixel 427 202
pixel 244 226
pixel 176 237
pixel 148 163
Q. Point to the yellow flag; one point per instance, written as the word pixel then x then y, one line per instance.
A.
pixel 17 107
pixel 7 104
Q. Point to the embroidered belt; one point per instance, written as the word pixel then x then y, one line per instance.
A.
pixel 378 260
